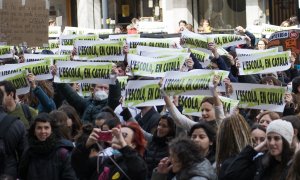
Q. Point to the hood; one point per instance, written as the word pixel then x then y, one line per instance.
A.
pixel 201 169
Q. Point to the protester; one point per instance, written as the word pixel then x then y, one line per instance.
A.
pixel 13 142
pixel 182 25
pixel 147 118
pixel 126 163
pixel 157 147
pixel 103 94
pixel 265 118
pixel 258 134
pixel 41 95
pixel 46 157
pixel 186 162
pixel 204 26
pixel 211 108
pixel 232 136
pixel 204 135
pixel 73 121
pixel 12 107
pixel 294 173
pixel 262 44
pixel 274 164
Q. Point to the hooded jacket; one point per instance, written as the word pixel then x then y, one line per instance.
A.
pixel 198 171
pixel 49 160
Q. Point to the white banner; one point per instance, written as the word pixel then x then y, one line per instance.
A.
pixel 41 69
pixel 194 82
pixel 5 52
pixel 155 67
pixel 19 80
pixel 93 49
pixel 143 93
pixel 141 50
pixel 265 63
pixel 83 72
pixel 192 104
pixel 40 57
pixel 158 42
pixel 258 96
pixel 54 31
pixel 248 52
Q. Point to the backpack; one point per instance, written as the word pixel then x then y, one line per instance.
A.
pixel 27 112
pixel 5 124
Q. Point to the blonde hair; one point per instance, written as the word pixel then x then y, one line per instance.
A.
pixel 233 135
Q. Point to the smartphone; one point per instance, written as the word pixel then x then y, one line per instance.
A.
pixel 105 136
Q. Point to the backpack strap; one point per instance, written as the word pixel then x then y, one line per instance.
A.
pixel 26 112
pixel 5 124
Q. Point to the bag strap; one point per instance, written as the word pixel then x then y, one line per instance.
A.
pixel 5 124
pixel 26 112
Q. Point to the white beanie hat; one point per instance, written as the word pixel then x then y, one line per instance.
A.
pixel 284 128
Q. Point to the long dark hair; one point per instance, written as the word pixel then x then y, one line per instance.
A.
pixel 171 126
pixel 286 155
pixel 72 114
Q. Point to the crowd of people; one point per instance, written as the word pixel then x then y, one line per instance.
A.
pixel 54 133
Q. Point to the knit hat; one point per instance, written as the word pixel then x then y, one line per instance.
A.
pixel 284 128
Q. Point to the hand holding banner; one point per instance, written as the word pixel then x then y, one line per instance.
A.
pixel 143 93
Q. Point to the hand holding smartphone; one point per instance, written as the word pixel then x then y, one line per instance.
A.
pixel 105 136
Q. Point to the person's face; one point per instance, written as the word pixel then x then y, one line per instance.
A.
pixel 205 23
pixel 42 130
pixel 208 112
pixel 128 136
pixel 261 45
pixel 99 122
pixel 101 87
pixel 7 98
pixel 176 164
pixel 265 120
pixel 274 144
pixel 163 128
pixel 121 72
pixel 182 25
pixel 200 137
pixel 118 30
pixel 105 127
pixel 258 136
pixel 69 122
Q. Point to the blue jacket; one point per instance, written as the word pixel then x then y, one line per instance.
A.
pixel 46 104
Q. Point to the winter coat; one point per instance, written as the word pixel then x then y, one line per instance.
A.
pixel 15 142
pixel 157 149
pixel 149 121
pixel 46 104
pixel 249 165
pixel 47 160
pixel 198 171
pixel 89 108
pixel 103 168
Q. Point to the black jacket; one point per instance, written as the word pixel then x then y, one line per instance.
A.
pixel 88 107
pixel 248 165
pixel 55 165
pixel 15 142
pixel 130 163
pixel 149 121
pixel 157 149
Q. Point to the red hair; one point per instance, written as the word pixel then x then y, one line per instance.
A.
pixel 138 137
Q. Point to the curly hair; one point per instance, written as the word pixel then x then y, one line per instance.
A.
pixel 186 150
